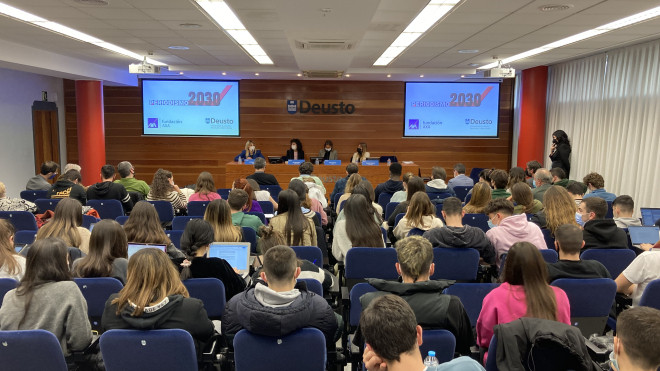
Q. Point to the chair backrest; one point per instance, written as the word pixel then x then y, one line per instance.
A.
pixel 311 253
pixel 266 206
pixel 462 191
pixel 615 260
pixel 22 220
pixel 179 222
pixel 249 235
pixel 477 220
pixel 468 197
pixel 529 216
pixel 33 195
pixel 651 295
pixel 6 285
pixel 165 210
pixel 122 219
pixel 384 199
pixel 313 286
pixel 341 205
pixel 438 211
pixel 211 291
pixel 88 220
pixel 25 237
pixel 398 218
pixel 258 214
pixel 224 192
pixel 175 236
pixel 438 196
pixel 389 209
pixel 550 256
pixel 591 300
pixel 416 232
pixel 459 264
pixel 356 307
pixel 336 199
pixel 96 292
pixel 442 342
pixel 197 208
pixel 610 211
pixel 549 239
pixel 44 204
pixel 371 262
pixel 491 362
pixel 474 174
pixel 107 209
pixel 257 352
pixel 31 350
pixel 274 191
pixel 133 350
pixel 472 296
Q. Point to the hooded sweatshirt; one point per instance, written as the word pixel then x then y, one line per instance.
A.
pixel 625 222
pixel 391 186
pixel 110 191
pixel 604 234
pixel 462 237
pixel 66 188
pixel 439 186
pixel 174 311
pixel 514 229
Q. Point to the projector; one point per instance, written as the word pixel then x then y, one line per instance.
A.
pixel 500 72
pixel 144 68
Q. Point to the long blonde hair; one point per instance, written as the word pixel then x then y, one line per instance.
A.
pixel 218 214
pixel 481 196
pixel 419 207
pixel 65 223
pixel 353 180
pixel 7 253
pixel 559 207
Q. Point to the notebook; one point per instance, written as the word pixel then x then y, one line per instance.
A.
pixel 639 235
pixel 649 215
pixel 134 247
pixel 237 254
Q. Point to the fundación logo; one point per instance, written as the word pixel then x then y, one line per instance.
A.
pixel 413 124
pixel 152 123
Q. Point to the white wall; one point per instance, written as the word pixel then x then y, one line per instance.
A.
pixel 18 90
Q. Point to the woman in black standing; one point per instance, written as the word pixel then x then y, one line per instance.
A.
pixel 560 152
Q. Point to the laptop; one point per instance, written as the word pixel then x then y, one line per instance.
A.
pixel 275 159
pixel 237 254
pixel 19 247
pixel 639 235
pixel 650 215
pixel 314 159
pixel 134 247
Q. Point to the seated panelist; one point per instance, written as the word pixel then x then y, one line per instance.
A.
pixel 295 152
pixel 328 152
pixel 250 152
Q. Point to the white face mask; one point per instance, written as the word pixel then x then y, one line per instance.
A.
pixel 328 149
pixel 252 148
pixel 294 147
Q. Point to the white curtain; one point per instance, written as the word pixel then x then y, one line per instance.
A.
pixel 609 105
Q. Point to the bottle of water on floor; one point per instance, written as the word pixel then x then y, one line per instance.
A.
pixel 431 362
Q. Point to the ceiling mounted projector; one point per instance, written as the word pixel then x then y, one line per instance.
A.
pixel 500 72
pixel 144 68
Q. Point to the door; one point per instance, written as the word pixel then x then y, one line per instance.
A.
pixel 45 128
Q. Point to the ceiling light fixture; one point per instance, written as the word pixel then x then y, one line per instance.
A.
pixel 178 47
pixel 256 73
pixel 623 22
pixel 347 75
pixel 190 25
pixel 220 12
pixel 224 74
pixel 421 75
pixel 468 51
pixel 427 18
pixel 24 16
pixel 388 75
pixel 299 74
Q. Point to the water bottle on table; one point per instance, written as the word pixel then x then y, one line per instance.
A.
pixel 389 162
pixel 431 362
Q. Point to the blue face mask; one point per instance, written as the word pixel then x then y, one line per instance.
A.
pixel 613 362
pixel 578 219
pixel 533 183
pixel 52 176
pixel 490 224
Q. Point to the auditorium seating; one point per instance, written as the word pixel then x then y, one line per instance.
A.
pixel 175 237
pixel 313 285
pixel 25 237
pixel 179 222
pixel 96 292
pixel 6 285
pixel 165 211
pixel 33 195
pixel 274 191
pixel 472 296
pixel 197 208
pixel 249 235
pixel 389 209
pixel 211 291
pixel 455 264
pixel 44 204
pixel 301 350
pixel 107 209
pixel 442 342
pixel 22 220
pixel 590 301
pixel 311 253
pixel 615 260
pixel 462 191
pixel 266 206
pixel 88 220
pixel 476 220
pixel 31 350
pixel 258 214
pixel 384 199
pixel 651 295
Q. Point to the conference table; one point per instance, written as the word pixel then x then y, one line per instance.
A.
pixel 329 174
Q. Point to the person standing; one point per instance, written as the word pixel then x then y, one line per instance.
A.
pixel 560 152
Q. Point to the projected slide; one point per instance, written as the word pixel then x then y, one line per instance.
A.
pixel 190 107
pixel 451 109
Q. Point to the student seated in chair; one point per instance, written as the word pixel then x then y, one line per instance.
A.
pixel 237 199
pixel 108 190
pixel 622 209
pixel 599 233
pixel 432 308
pixel 568 243
pixel 277 305
pixel 437 183
pixel 637 340
pixel 393 338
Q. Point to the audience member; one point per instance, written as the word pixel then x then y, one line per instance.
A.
pixel 415 184
pixel 524 292
pixel 596 185
pixel 460 179
pixel 559 177
pixel 542 182
pixel 71 166
pixel 15 204
pixel 420 214
pixel 316 193
pixel 127 173
pixel 219 215
pixel 67 225
pixel 432 308
pixel 516 175
pixel 107 190
pixel 277 305
pixel 393 337
pixel 507 229
pixel 576 190
pixel 532 167
pixel 155 298
pixel 400 196
pixel 367 190
pixel 393 184
pixel 195 244
pixel 295 152
pixel 499 179
pixel 568 243
pixel 484 177
pixel 437 183
pixel 40 182
pixel 599 233
pixel 48 299
pixel 637 340
pixel 143 226
pixel 357 229
pixel 353 181
pixel 12 264
pixel 633 280
pixel 252 203
pixel 328 152
pixel 456 235
pixel 108 253
pixel 205 188
pixel 305 170
pixel 560 152
pixel 361 153
pixel 68 185
pixel 522 195
pixel 622 209
pixel 260 195
pixel 481 196
pixel 297 229
pixel 250 152
pixel 309 206
pixel 163 188
pixel 559 209
pixel 260 175
pixel 341 183
pixel 237 200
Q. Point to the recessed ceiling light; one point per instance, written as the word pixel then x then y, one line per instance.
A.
pixel 190 25
pixel 93 2
pixel 555 7
pixel 421 75
pixel 178 47
pixel 224 74
pixel 181 73
pixel 388 75
pixel 347 75
pixel 468 51
pixel 256 73
pixel 299 74
pixel 474 64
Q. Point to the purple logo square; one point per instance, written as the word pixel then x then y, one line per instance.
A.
pixel 152 123
pixel 413 124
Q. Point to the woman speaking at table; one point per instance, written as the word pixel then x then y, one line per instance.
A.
pixel 250 152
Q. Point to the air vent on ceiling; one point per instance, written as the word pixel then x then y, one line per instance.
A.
pixel 93 2
pixel 324 45
pixel 555 7
pixel 323 74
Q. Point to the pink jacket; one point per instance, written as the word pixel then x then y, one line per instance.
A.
pixel 207 197
pixel 507 303
pixel 514 229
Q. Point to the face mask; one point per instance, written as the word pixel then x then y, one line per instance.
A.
pixel 614 362
pixel 328 149
pixel 534 183
pixel 294 147
pixel 555 141
pixel 491 225
pixel 527 173
pixel 359 151
pixel 252 148
pixel 578 219
pixel 52 176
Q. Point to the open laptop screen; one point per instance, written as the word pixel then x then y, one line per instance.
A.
pixel 134 247
pixel 237 254
pixel 649 215
pixel 639 235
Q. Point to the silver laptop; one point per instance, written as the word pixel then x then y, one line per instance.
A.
pixel 134 247
pixel 237 254
pixel 639 235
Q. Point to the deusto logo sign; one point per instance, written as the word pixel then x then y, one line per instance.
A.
pixel 304 106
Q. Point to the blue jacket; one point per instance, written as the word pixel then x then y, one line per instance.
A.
pixel 602 193
pixel 243 155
